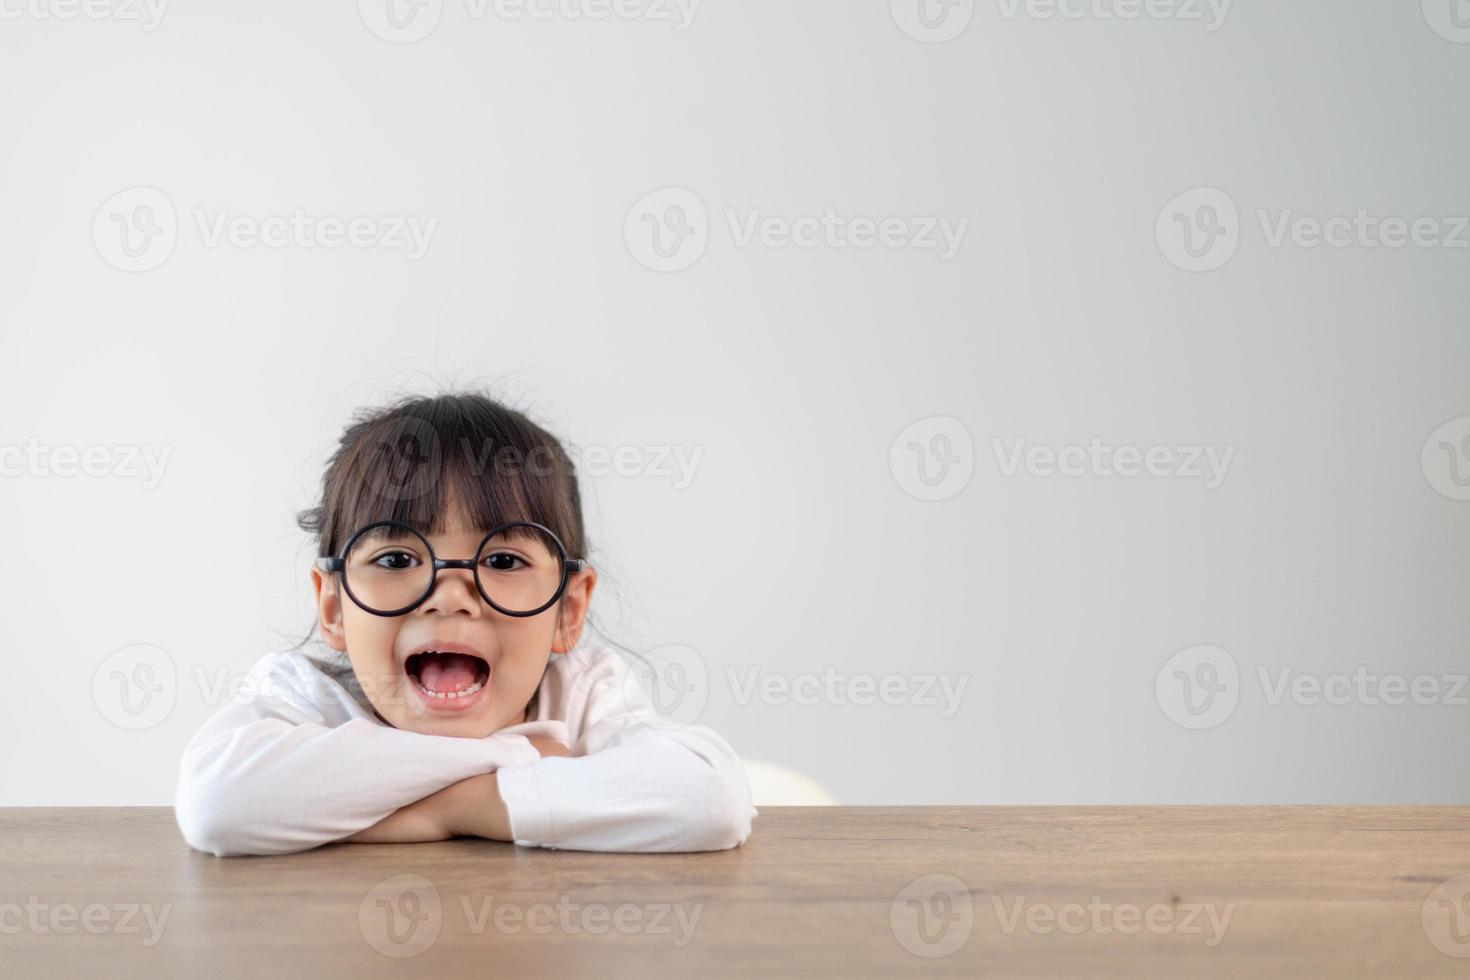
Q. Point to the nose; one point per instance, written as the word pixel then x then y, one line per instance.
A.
pixel 454 592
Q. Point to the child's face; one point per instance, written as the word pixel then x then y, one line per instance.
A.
pixel 498 659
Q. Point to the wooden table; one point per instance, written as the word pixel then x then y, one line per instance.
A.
pixel 815 891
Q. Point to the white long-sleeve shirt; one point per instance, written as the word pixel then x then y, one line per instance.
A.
pixel 298 761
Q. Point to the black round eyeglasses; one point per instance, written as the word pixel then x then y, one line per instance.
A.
pixel 389 568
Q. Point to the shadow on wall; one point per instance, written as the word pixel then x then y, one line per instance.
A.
pixel 773 785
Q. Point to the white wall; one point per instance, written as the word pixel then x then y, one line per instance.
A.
pixel 1333 542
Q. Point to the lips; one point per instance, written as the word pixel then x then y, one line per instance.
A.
pixel 448 676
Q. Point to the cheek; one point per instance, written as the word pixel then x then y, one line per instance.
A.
pixel 370 648
pixel 523 665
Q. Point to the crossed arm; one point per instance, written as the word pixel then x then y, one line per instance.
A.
pixel 275 775
pixel 472 807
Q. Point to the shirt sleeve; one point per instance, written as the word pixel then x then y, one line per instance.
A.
pixel 269 774
pixel 630 785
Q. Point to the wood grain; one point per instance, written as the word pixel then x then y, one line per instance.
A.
pixel 814 892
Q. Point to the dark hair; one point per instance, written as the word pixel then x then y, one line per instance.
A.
pixel 420 458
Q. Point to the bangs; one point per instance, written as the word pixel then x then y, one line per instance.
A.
pixel 432 463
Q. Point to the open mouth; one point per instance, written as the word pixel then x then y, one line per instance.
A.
pixel 447 677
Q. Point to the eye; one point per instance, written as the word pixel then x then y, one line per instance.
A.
pixel 396 560
pixel 504 561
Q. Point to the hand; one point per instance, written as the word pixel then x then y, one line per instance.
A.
pixel 548 746
pixel 469 808
pixel 419 821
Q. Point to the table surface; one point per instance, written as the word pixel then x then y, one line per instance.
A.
pixel 814 891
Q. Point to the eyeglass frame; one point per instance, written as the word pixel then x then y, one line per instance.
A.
pixel 338 564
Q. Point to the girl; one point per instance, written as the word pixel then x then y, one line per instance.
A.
pixel 453 587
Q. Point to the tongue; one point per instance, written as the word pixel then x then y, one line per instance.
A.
pixel 445 673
